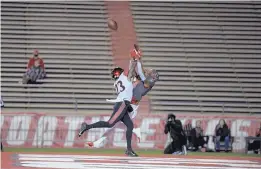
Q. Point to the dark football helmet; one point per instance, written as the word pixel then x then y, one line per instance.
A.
pixel 116 72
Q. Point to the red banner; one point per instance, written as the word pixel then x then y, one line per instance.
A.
pixel 40 130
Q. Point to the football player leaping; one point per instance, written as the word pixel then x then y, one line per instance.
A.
pixel 122 107
pixel 145 80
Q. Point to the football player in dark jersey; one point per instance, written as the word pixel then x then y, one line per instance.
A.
pixel 143 82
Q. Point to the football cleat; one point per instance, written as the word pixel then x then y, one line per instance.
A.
pixel 100 143
pixel 89 144
pixel 84 127
pixel 131 153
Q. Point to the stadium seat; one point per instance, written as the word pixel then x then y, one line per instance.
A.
pixel 73 40
pixel 207 55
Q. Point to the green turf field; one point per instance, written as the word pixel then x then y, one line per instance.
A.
pixel 119 152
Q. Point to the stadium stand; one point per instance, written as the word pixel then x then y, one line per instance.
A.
pixel 73 40
pixel 207 53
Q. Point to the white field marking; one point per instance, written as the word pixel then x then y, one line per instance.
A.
pixel 66 165
pixel 174 167
pixel 67 159
pixel 145 162
pixel 80 165
pixel 70 161
pixel 86 157
pixel 172 160
pixel 200 163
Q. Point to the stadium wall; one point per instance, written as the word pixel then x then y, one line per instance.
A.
pixel 55 131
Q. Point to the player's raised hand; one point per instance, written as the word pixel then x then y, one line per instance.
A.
pixel 135 53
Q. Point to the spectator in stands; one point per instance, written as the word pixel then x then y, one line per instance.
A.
pixel 222 134
pixel 197 137
pixel 35 69
pixel 255 145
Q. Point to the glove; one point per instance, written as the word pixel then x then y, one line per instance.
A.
pixel 135 53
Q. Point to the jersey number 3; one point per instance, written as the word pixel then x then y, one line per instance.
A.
pixel 119 87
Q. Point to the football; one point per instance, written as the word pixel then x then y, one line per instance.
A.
pixel 112 24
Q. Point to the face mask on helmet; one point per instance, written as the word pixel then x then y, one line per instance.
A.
pixel 149 82
pixel 116 72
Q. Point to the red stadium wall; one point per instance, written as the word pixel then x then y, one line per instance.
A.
pixel 42 130
pixel 123 39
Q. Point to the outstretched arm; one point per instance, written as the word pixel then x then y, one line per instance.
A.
pixel 140 70
pixel 132 66
pixel 135 55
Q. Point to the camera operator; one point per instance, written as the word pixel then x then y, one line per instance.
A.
pixel 174 128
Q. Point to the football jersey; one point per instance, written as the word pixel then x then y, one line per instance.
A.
pixel 124 88
pixel 139 91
